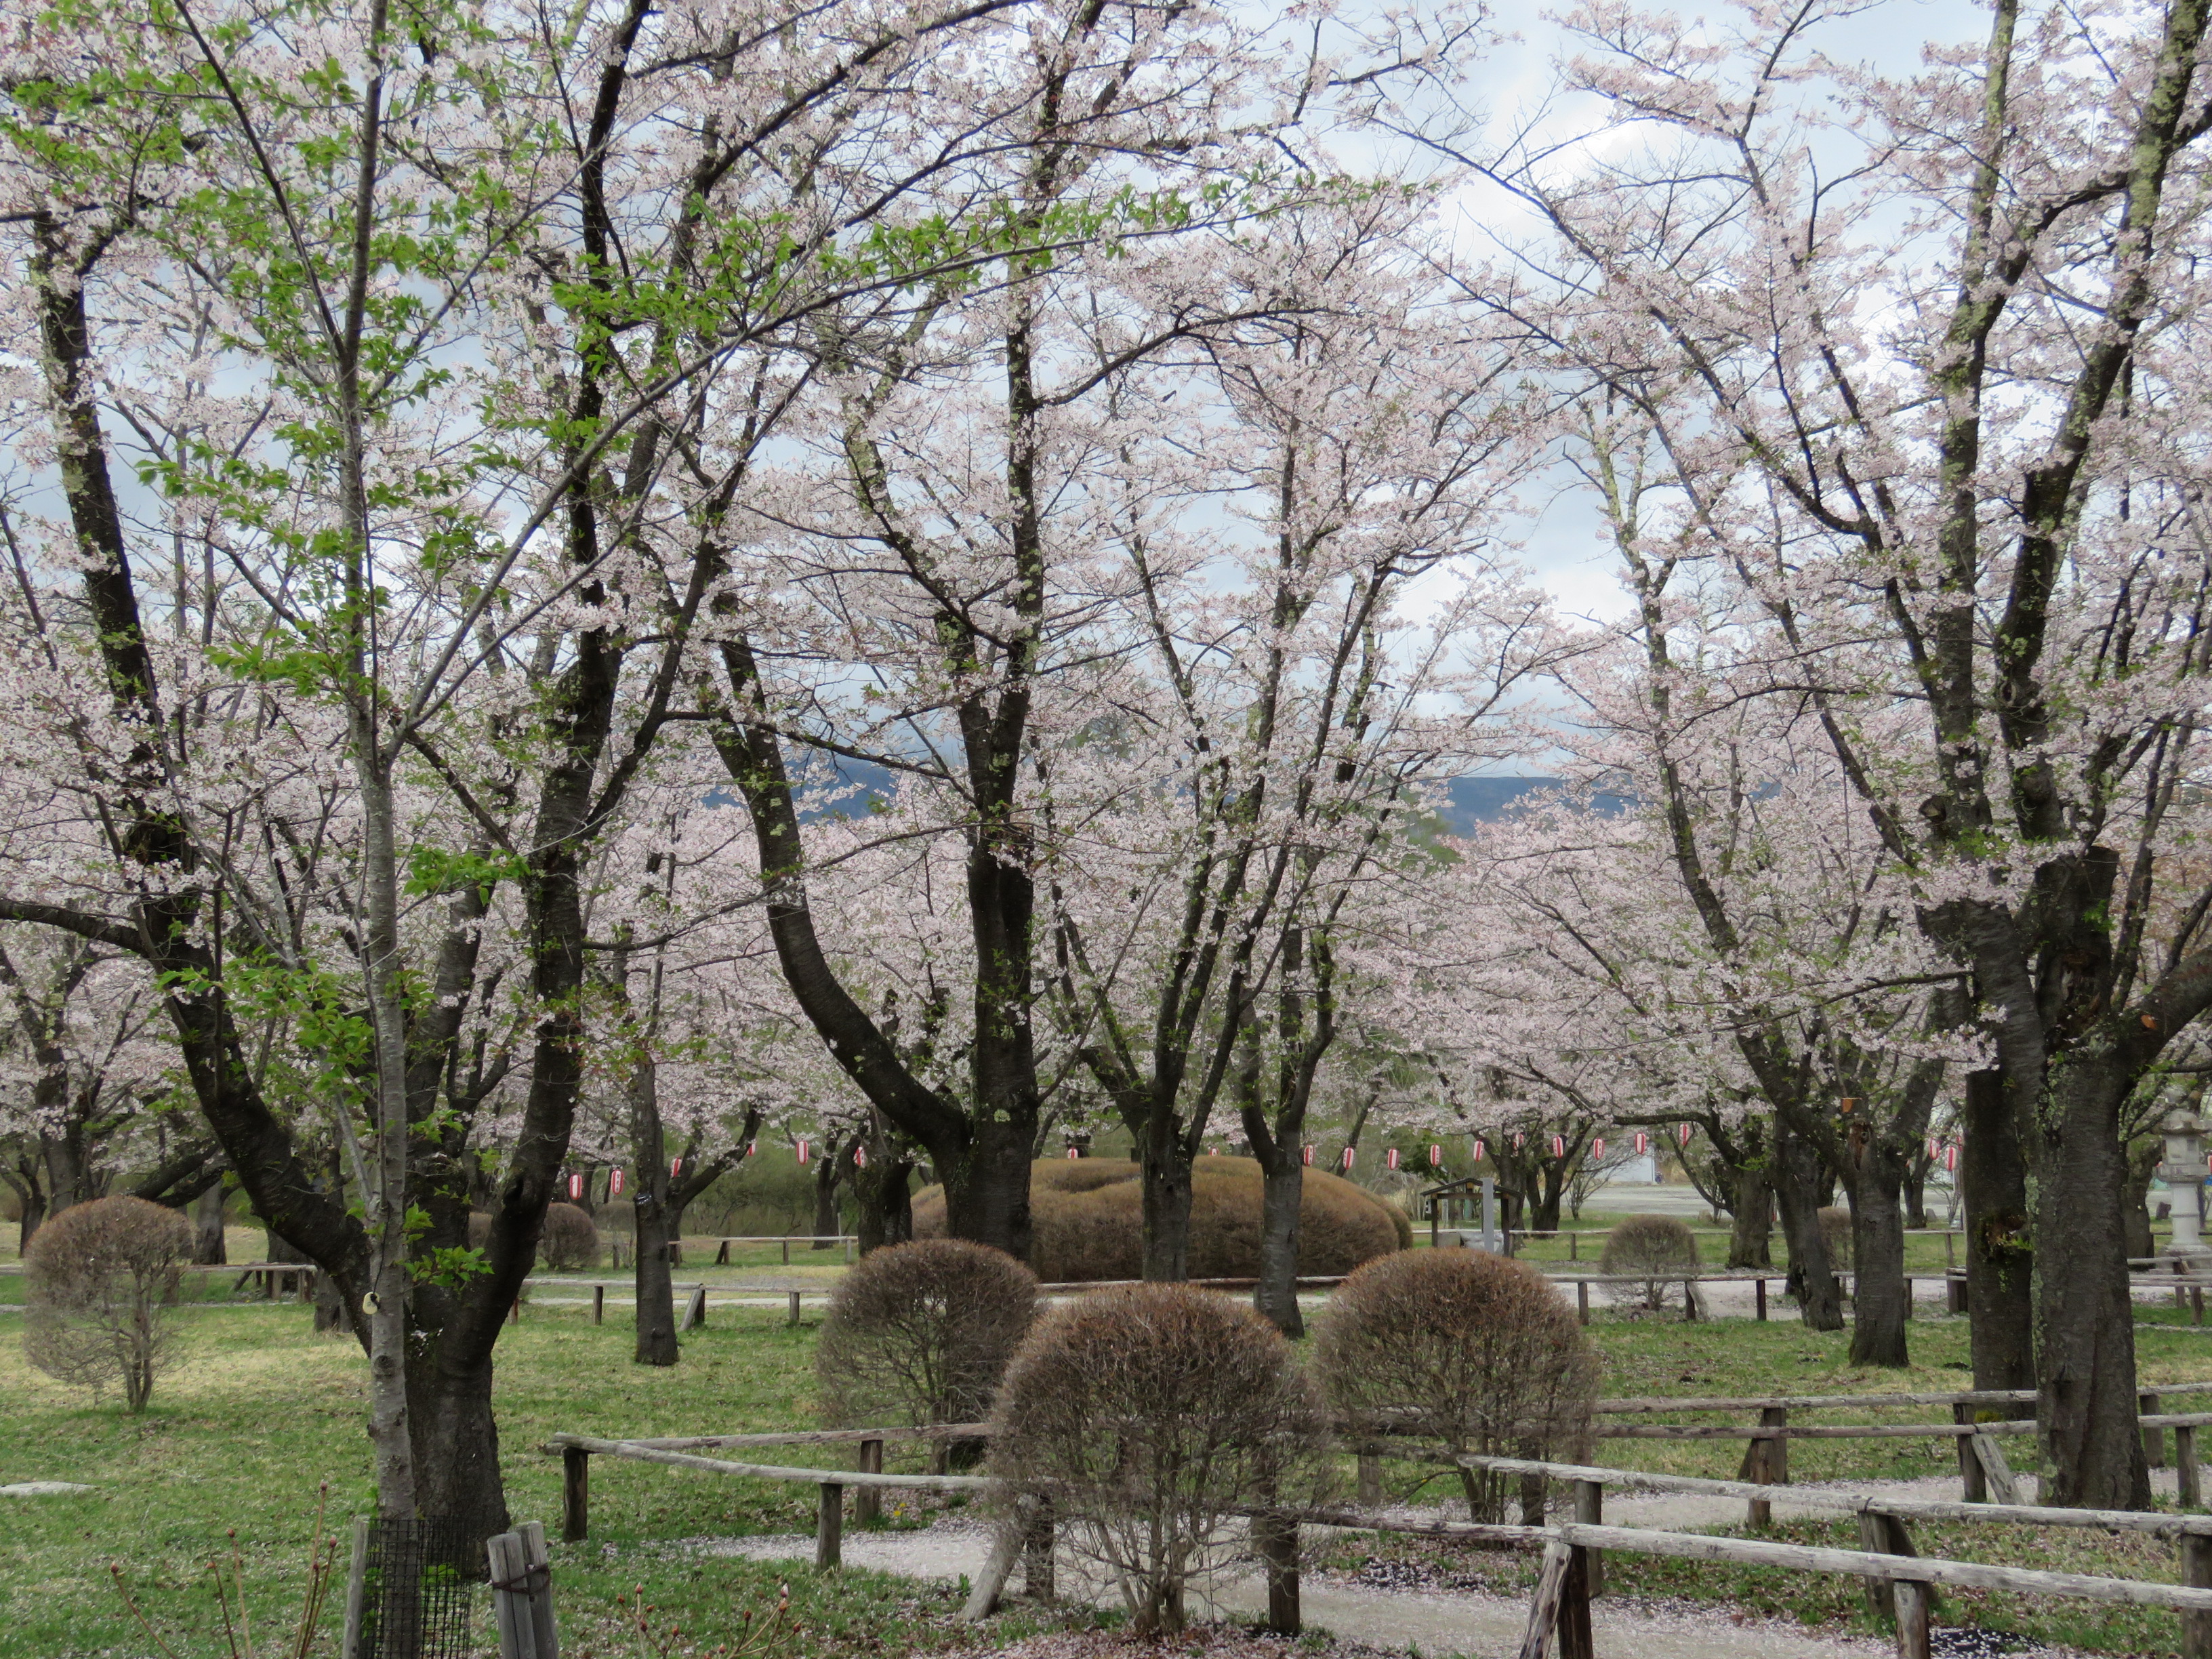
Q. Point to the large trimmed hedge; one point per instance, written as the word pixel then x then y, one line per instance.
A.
pixel 1089 1215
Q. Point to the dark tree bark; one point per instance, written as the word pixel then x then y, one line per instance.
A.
pixel 2000 1261
pixel 1797 1174
pixel 208 1248
pixel 882 1189
pixel 830 1172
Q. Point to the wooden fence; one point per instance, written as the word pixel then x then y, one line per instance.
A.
pixel 1900 1584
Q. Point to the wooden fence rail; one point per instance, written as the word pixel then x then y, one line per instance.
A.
pixel 1899 1582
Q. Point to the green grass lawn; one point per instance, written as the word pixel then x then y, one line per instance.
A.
pixel 260 1412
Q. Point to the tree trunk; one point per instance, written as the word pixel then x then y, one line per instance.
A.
pixel 656 1295
pixel 825 1194
pixel 883 1198
pixel 1750 1237
pixel 1797 1182
pixel 208 1248
pixel 1282 1196
pixel 2084 1315
pixel 2000 1280
pixel 1916 1189
pixel 456 1444
pixel 1880 1296
pixel 1167 1178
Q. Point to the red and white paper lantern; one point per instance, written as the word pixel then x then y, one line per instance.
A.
pixel 1558 1146
pixel 675 1167
pixel 575 1185
pixel 1951 1158
pixel 615 1184
pixel 1481 1152
pixel 1643 1143
pixel 1390 1158
pixel 1597 1147
pixel 859 1157
pixel 1436 1155
pixel 1347 1157
pixel 802 1152
pixel 1682 1134
pixel 1306 1154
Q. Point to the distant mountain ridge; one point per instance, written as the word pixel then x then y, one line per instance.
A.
pixel 1468 802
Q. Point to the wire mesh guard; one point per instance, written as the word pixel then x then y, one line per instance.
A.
pixel 418 1588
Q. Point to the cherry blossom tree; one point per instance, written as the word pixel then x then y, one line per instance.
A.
pixel 1922 355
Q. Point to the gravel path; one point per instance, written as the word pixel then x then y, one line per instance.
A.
pixel 1426 1619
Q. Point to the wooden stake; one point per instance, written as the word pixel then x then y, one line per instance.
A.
pixel 2154 1439
pixel 868 1501
pixel 1589 1510
pixel 794 1307
pixel 1581 1299
pixel 1759 1296
pixel 599 1304
pixel 575 1494
pixel 2185 1465
pixel 539 1565
pixel 1544 1605
pixel 1370 1481
pixel 1974 1489
pixel 829 1530
pixel 1911 1619
pixel 2197 1573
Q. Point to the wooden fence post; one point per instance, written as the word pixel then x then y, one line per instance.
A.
pixel 794 1307
pixel 1974 1489
pixel 599 1304
pixel 510 1597
pixel 575 1494
pixel 1575 1639
pixel 1911 1600
pixel 2154 1439
pixel 695 1310
pixel 829 1530
pixel 2197 1573
pixel 1561 1603
pixel 1275 1539
pixel 787 1251
pixel 539 1566
pixel 1581 1299
pixel 1370 1481
pixel 356 1582
pixel 1759 1296
pixel 1766 1463
pixel 1883 1533
pixel 722 1255
pixel 868 1501
pixel 1996 1471
pixel 1036 1553
pixel 1589 1510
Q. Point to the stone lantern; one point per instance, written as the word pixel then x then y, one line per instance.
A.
pixel 2183 1171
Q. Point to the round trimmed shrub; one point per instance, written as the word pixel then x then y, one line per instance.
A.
pixel 1088 1213
pixel 920 1333
pixel 1836 1231
pixel 1146 1416
pixel 101 1278
pixel 569 1241
pixel 1656 1248
pixel 1476 1351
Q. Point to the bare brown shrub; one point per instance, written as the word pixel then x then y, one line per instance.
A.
pixel 921 1333
pixel 1657 1249
pixel 1836 1230
pixel 570 1242
pixel 101 1278
pixel 1476 1351
pixel 1146 1416
pixel 1089 1218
